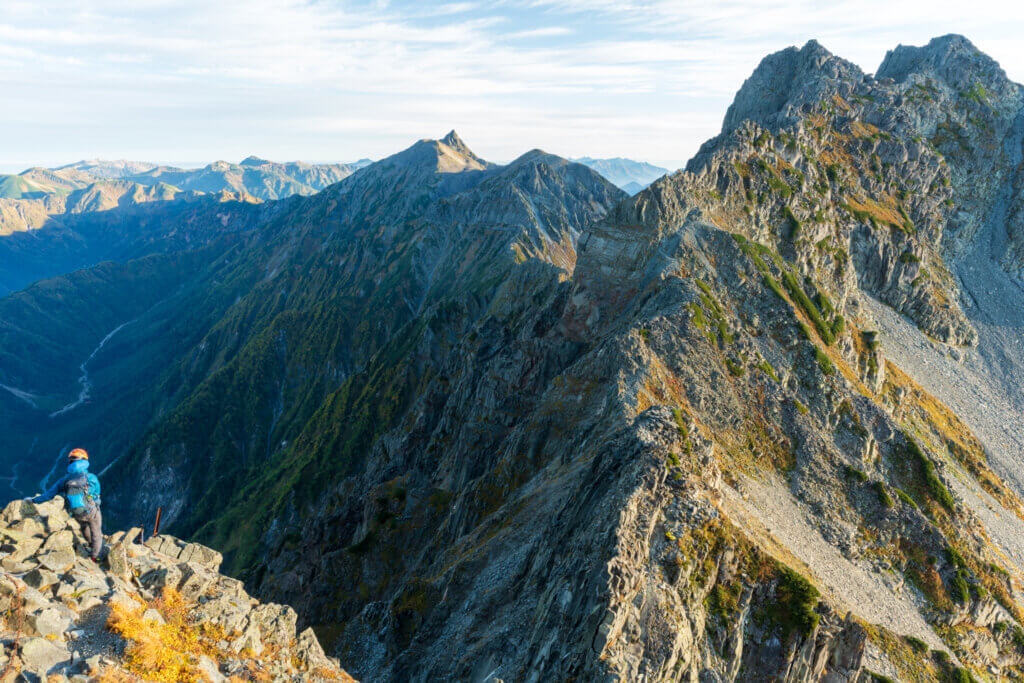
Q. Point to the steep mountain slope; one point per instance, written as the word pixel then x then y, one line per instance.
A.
pixel 631 176
pixel 183 329
pixel 23 214
pixel 82 353
pixel 690 458
pixel 115 227
pixel 433 223
pixel 503 423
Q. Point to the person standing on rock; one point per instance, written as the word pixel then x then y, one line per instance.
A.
pixel 81 491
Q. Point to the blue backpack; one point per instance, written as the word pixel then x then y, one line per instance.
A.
pixel 83 494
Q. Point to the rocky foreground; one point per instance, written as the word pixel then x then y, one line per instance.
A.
pixel 157 610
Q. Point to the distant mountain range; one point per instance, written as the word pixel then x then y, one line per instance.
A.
pixel 28 199
pixel 258 177
pixel 631 176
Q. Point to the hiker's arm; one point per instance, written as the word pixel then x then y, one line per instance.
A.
pixel 50 492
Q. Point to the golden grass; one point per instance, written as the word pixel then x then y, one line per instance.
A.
pixel 166 653
pixel 863 130
pixel 840 103
pixel 170 652
pixel 884 212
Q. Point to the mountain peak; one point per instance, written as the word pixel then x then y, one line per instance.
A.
pixel 537 155
pixel 254 161
pixel 788 77
pixel 455 142
pixel 447 155
pixel 951 58
pixel 630 175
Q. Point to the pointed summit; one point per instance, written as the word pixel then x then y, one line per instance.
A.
pixel 447 155
pixel 455 142
pixel 786 78
pixel 253 161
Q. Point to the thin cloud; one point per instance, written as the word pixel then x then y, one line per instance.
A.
pixel 293 78
pixel 546 32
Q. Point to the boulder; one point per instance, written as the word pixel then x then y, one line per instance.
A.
pixel 124 601
pixel 224 611
pixel 231 586
pixel 85 582
pixel 154 616
pixel 30 526
pixel 250 641
pixel 209 669
pixel 16 510
pixel 310 653
pixel 58 560
pixel 20 545
pixel 88 602
pixel 168 576
pixel 200 554
pixel 276 623
pixel 60 540
pixel 34 600
pixel 117 561
pixel 41 656
pixel 41 578
pixel 47 623
pixel 165 545
pixel 124 537
pixel 196 580
pixel 54 515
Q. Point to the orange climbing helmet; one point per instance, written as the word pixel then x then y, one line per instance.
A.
pixel 77 454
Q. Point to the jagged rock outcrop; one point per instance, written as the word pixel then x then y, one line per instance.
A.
pixel 785 82
pixel 153 609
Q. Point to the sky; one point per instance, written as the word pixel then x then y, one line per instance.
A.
pixel 191 81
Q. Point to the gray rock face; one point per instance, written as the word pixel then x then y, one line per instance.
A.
pixel 786 81
pixel 951 58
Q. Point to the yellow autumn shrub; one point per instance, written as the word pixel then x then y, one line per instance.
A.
pixel 168 652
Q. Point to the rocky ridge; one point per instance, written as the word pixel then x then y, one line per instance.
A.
pixel 157 610
pixel 712 324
